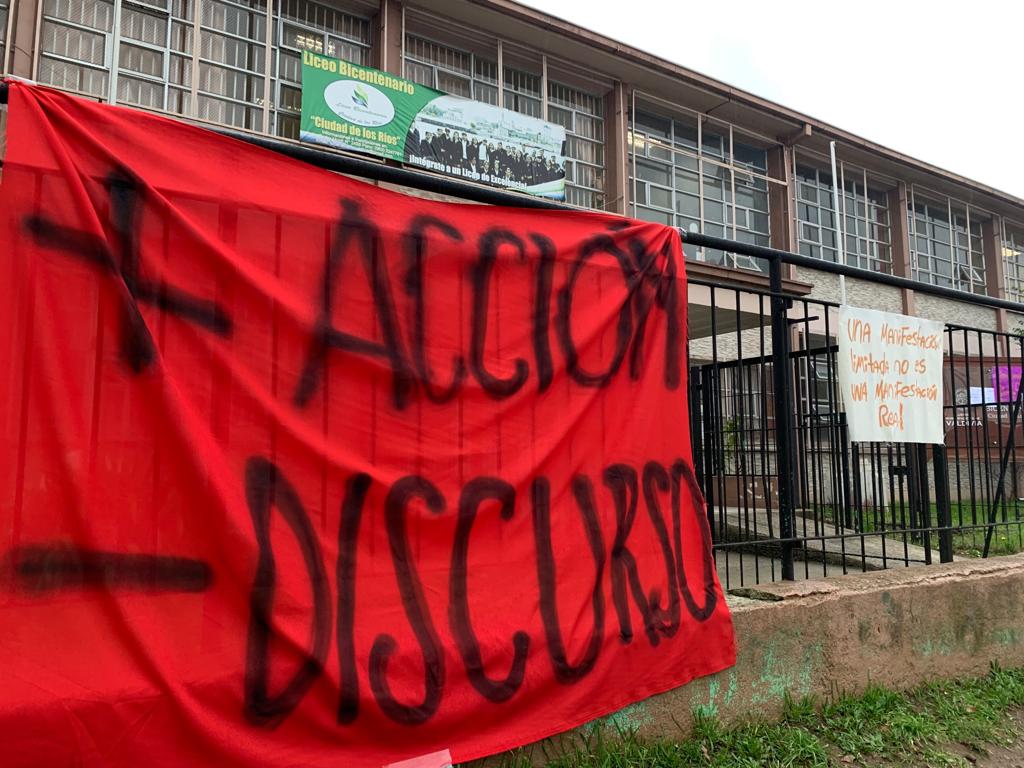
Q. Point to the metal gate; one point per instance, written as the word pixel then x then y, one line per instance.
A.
pixel 788 495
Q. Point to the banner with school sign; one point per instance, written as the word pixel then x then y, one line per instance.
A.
pixel 363 109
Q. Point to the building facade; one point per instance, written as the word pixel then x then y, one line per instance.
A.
pixel 645 137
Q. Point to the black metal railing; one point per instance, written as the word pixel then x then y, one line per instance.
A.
pixel 788 495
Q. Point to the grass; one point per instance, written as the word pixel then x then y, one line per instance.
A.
pixel 934 725
pixel 1007 536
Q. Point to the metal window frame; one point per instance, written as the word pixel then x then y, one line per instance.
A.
pixel 819 227
pixel 276 82
pixel 1014 286
pixel 929 275
pixel 39 54
pixel 435 67
pixel 165 52
pixel 816 161
pixel 730 258
pixel 255 14
pixel 572 184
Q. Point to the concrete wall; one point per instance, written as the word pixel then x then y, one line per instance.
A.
pixel 956 312
pixel 895 628
pixel 860 293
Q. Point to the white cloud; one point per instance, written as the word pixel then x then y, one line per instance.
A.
pixel 939 81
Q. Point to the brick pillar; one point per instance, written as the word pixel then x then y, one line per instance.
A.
pixel 901 266
pixel 616 149
pixel 23 37
pixel 782 219
pixel 387 40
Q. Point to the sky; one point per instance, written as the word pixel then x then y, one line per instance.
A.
pixel 940 81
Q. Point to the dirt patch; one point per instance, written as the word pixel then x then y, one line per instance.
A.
pixel 1007 756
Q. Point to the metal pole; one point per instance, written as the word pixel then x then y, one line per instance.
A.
pixel 1008 451
pixel 924 517
pixel 783 404
pixel 401 46
pixel 544 86
pixel 942 508
pixel 501 74
pixel 631 131
pixel 268 97
pixel 839 218
pixel 197 32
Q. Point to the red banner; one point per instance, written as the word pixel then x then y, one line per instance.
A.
pixel 300 471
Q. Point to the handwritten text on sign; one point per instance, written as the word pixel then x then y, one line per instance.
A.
pixel 890 374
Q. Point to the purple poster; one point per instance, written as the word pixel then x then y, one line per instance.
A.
pixel 1006 382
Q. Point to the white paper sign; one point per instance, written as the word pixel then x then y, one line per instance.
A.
pixel 982 395
pixel 890 376
pixel 442 759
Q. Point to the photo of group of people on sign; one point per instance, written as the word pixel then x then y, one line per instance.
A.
pixel 489 144
pixel 460 151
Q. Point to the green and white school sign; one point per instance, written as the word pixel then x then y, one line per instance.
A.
pixel 363 109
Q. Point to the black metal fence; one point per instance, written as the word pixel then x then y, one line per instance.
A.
pixel 789 496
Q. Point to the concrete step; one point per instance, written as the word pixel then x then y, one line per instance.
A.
pixel 760 527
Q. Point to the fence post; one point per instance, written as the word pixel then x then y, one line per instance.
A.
pixel 782 401
pixel 942 509
pixel 924 502
pixel 700 408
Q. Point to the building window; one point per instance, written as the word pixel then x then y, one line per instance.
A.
pixel 232 54
pixel 523 92
pixel 816 221
pixel 946 244
pixel 306 25
pixel 702 177
pixel 866 233
pixel 153 63
pixel 73 45
pixel 582 116
pixel 1013 260
pixel 133 52
pixel 447 69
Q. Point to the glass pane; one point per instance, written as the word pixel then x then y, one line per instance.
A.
pixel 144 61
pixel 72 43
pixel 144 93
pixel 661 198
pixel 144 27
pixel 714 211
pixel 72 77
pixel 687 182
pixel 95 14
pixel 454 84
pixel 686 132
pixel 652 125
pixel 488 94
pixel 653 172
pixel 750 155
pixel 649 214
pixel 688 204
pixel 714 141
pixel 419 73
